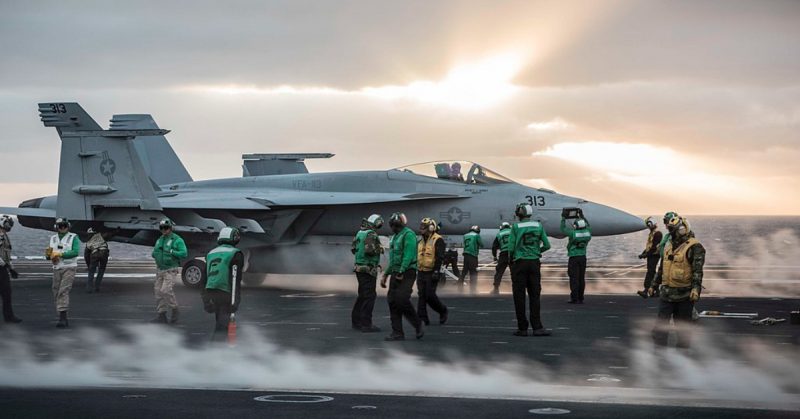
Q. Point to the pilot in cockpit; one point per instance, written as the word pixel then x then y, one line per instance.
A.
pixel 455 172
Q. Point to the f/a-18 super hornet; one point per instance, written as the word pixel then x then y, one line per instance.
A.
pixel 127 178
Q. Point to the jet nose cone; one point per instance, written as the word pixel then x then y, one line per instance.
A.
pixel 607 221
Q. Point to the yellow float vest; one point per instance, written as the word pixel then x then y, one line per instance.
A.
pixel 650 240
pixel 677 269
pixel 426 253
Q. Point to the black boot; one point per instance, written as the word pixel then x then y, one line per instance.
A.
pixel 12 319
pixel 63 322
pixel 161 318
pixel 174 318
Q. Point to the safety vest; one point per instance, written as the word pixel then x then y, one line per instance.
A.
pixel 649 245
pixel 502 238
pixel 426 253
pixel 677 269
pixel 62 245
pixel 362 257
pixel 218 267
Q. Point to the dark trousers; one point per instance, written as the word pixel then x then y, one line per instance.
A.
pixel 576 269
pixel 399 298
pixel 361 316
pixel 500 269
pixel 526 276
pixel 681 313
pixel 453 265
pixel 222 314
pixel 426 291
pixel 652 265
pixel 5 293
pixel 96 264
pixel 471 268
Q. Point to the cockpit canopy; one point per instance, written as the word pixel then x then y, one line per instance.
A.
pixel 457 171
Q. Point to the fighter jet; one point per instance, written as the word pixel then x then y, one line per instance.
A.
pixel 127 178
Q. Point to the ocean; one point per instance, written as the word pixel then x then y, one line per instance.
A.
pixel 729 240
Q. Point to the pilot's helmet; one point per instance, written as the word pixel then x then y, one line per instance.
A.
pixel 229 235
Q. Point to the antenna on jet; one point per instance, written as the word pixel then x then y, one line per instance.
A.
pixel 267 164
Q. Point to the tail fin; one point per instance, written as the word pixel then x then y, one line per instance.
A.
pixel 99 169
pixel 159 159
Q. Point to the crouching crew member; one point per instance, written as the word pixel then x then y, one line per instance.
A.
pixel 63 253
pixel 500 244
pixel 403 271
pixel 578 240
pixel 680 279
pixel 168 252
pixel 96 258
pixel 527 243
pixel 367 250
pixel 430 254
pixel 224 270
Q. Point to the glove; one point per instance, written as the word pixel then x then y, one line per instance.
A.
pixel 208 305
pixel 399 276
pixel 651 291
pixel 383 281
pixel 495 258
pixel 694 296
pixel 13 273
pixel 642 256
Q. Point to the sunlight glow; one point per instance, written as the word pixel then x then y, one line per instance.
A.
pixel 555 124
pixel 472 86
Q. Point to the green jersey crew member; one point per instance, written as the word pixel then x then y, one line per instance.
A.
pixel 472 244
pixel 224 271
pixel 500 244
pixel 578 240
pixel 652 253
pixel 167 252
pixel 527 243
pixel 7 271
pixel 430 255
pixel 680 279
pixel 63 252
pixel 367 251
pixel 403 270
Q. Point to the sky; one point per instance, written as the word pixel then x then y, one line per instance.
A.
pixel 648 106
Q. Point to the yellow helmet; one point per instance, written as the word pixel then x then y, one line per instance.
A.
pixel 427 225
pixel 679 226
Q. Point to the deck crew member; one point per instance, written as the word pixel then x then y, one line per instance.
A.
pixel 527 243
pixel 367 250
pixel 63 252
pixel 167 252
pixel 500 245
pixel 402 270
pixel 430 254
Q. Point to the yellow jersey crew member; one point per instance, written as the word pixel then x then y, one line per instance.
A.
pixel 403 271
pixel 651 253
pixel 367 250
pixel 679 281
pixel 167 252
pixel 430 256
pixel 63 252
pixel 7 271
pixel 527 243
pixel 224 271
pixel 472 245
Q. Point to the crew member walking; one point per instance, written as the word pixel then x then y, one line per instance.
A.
pixel 367 250
pixel 652 253
pixel 63 252
pixel 402 269
pixel 500 244
pixel 472 245
pixel 430 253
pixel 7 271
pixel 167 252
pixel 96 258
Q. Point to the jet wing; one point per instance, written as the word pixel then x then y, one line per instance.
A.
pixel 29 212
pixel 284 198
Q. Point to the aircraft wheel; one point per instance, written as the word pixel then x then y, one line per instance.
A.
pixel 193 274
pixel 253 280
